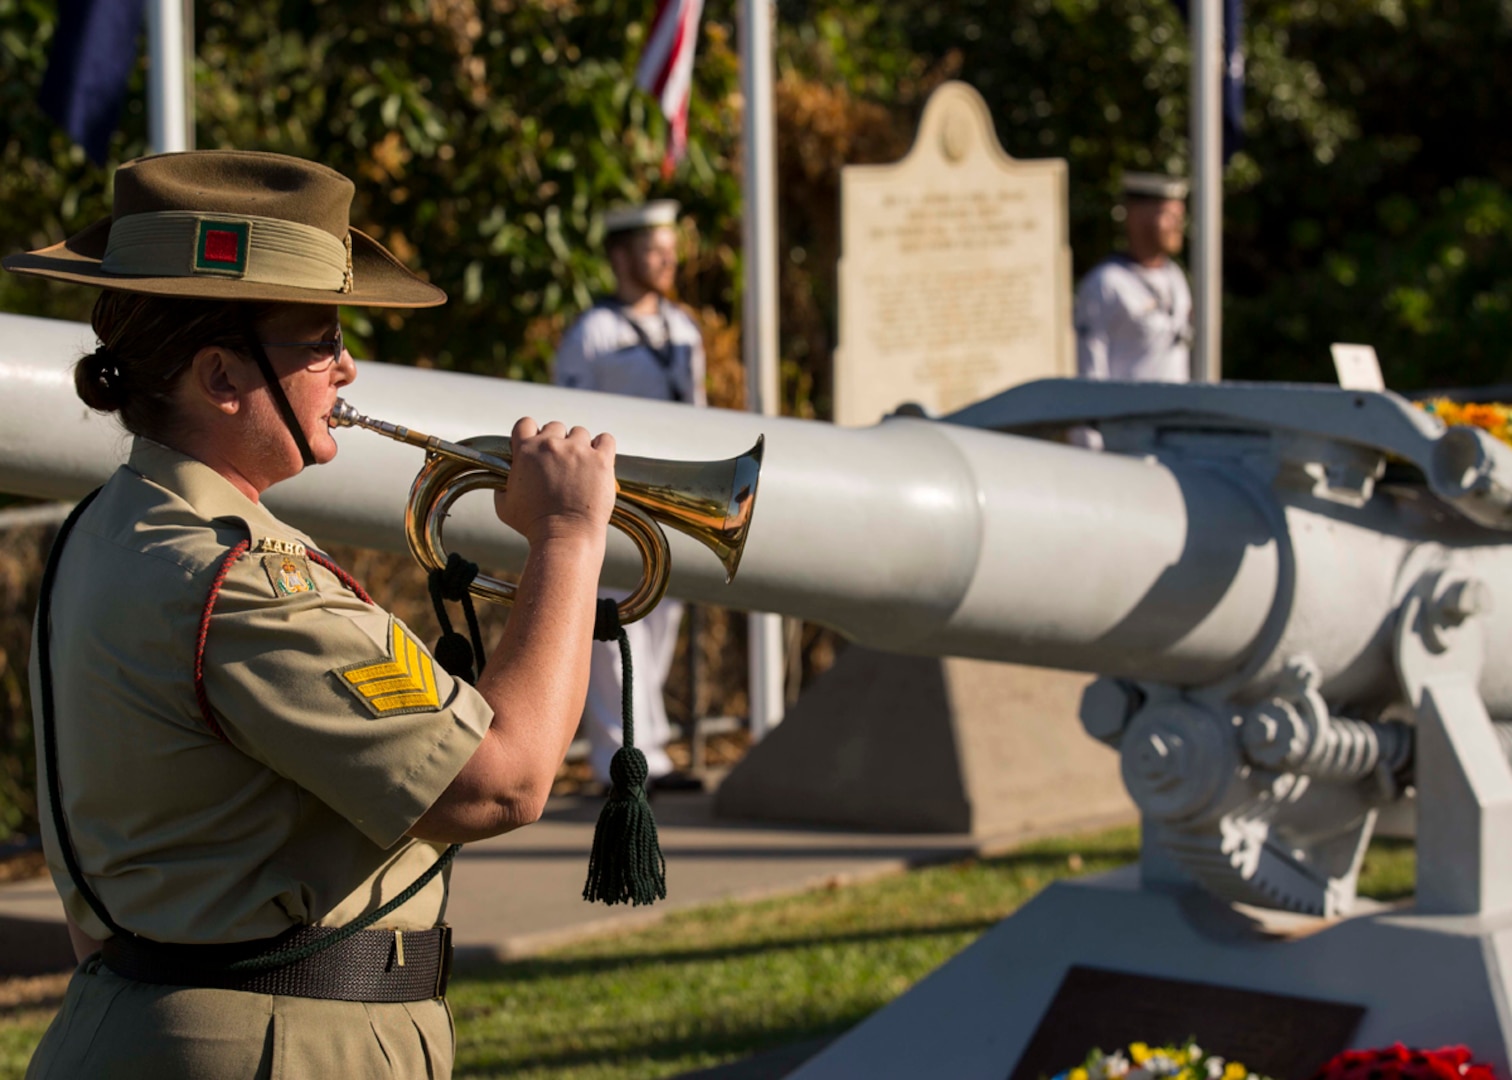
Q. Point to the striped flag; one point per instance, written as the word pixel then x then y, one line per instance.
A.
pixel 666 69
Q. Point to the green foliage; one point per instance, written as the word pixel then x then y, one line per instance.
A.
pixel 1379 211
pixel 483 138
pixel 1431 288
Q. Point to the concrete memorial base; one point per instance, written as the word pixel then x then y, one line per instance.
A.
pixel 923 744
pixel 1427 981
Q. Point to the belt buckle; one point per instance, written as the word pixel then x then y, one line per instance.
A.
pixel 444 966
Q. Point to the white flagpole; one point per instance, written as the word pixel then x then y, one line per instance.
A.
pixel 759 317
pixel 169 29
pixel 1207 189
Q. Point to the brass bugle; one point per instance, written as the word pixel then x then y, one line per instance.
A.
pixel 711 501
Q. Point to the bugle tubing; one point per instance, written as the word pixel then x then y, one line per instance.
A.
pixel 710 501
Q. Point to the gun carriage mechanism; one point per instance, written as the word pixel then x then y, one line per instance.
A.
pixel 1390 538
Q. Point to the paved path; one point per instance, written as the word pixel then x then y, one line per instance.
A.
pixel 520 893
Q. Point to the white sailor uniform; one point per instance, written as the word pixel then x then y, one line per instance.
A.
pixel 659 356
pixel 1134 322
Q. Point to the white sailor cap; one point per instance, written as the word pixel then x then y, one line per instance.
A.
pixel 645 216
pixel 1154 186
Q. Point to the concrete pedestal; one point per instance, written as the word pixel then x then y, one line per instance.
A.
pixel 922 744
pixel 1424 980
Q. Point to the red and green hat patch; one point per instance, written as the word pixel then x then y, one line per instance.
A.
pixel 220 247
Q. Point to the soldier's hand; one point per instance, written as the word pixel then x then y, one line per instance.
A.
pixel 561 482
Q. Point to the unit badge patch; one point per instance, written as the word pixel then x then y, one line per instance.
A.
pixel 403 682
pixel 289 574
pixel 221 247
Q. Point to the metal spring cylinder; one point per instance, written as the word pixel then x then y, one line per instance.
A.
pixel 1352 749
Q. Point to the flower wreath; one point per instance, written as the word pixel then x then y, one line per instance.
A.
pixel 1190 1062
pixel 1144 1062
pixel 1397 1062
pixel 1490 416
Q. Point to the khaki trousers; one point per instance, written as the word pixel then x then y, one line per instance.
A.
pixel 118 1029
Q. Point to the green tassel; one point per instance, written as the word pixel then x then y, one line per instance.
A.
pixel 626 866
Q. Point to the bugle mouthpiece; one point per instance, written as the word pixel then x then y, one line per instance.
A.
pixel 343 415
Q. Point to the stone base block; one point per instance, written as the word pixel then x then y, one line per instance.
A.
pixel 922 744
pixel 1427 981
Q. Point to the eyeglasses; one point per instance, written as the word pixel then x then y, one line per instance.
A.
pixel 325 353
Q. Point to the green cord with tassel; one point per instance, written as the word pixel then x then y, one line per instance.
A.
pixel 626 866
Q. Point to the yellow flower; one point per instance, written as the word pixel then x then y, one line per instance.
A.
pixel 1140 1053
pixel 1078 1074
pixel 1493 417
pixel 1485 416
pixel 1234 1071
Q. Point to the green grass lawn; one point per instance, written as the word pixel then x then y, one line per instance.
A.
pixel 715 984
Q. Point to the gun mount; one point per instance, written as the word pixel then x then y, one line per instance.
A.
pixel 1392 532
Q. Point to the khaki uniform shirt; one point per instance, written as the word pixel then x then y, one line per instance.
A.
pixel 340 730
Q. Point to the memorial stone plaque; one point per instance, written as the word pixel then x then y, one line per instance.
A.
pixel 1285 1037
pixel 955 274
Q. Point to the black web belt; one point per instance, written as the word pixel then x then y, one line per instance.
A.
pixel 371 965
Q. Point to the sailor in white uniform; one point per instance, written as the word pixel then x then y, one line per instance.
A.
pixel 641 343
pixel 1134 310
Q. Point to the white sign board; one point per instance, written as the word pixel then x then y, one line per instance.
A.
pixel 1358 367
pixel 955 275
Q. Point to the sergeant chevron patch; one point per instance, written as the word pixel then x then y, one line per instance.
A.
pixel 403 683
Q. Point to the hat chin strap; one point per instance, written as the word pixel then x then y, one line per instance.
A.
pixel 260 357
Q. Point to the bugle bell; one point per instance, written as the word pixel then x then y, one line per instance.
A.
pixel 710 501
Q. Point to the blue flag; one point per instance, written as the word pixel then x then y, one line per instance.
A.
pixel 1233 74
pixel 94 49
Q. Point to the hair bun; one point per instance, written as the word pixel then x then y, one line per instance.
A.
pixel 99 382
